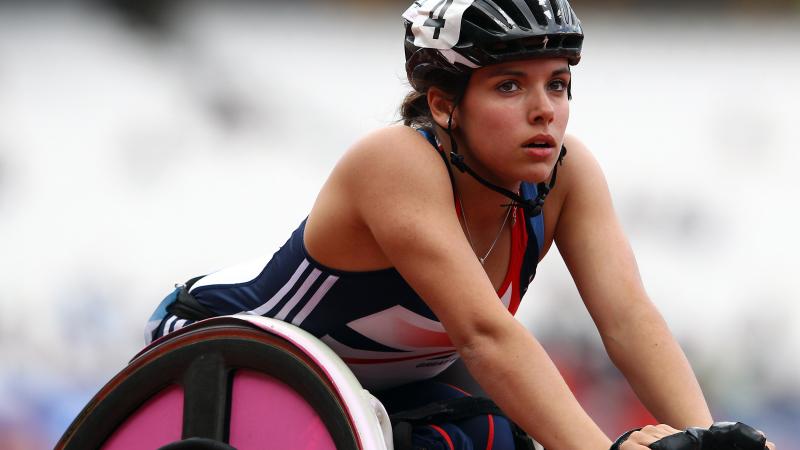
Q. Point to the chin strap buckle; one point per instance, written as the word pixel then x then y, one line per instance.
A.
pixel 458 161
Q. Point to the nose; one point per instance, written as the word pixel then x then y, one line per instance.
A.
pixel 541 110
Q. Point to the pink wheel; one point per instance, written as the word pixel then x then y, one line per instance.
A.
pixel 217 384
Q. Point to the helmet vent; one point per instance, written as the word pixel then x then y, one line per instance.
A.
pixel 510 8
pixel 535 45
pixel 485 16
pixel 558 12
pixel 538 12
pixel 520 46
pixel 537 42
pixel 572 42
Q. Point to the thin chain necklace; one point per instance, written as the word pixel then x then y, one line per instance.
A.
pixel 496 238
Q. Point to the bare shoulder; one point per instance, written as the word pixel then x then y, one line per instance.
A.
pixel 580 175
pixel 389 179
pixel 580 165
pixel 390 146
pixel 398 160
pixel 579 168
pixel 580 182
pixel 586 198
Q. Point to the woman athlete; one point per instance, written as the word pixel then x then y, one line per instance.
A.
pixel 425 237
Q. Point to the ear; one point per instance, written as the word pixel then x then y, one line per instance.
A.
pixel 441 106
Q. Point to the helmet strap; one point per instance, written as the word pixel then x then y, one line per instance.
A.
pixel 532 207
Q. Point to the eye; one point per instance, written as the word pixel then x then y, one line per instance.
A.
pixel 508 86
pixel 558 85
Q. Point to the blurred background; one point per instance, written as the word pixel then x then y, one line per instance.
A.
pixel 145 142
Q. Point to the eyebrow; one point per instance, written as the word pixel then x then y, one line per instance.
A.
pixel 519 73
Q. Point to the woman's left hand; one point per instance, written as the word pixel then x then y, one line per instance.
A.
pixel 721 435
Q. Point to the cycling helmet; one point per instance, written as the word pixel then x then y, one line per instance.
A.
pixel 460 35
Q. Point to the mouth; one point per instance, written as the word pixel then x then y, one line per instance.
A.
pixel 541 141
pixel 540 146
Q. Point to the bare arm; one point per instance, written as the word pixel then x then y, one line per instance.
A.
pixel 635 335
pixel 402 193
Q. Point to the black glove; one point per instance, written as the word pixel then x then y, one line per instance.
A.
pixel 721 436
pixel 736 436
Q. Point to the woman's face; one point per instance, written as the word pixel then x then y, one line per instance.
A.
pixel 512 119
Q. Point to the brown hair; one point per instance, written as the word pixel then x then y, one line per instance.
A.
pixel 415 111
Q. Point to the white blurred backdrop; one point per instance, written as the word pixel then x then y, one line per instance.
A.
pixel 136 156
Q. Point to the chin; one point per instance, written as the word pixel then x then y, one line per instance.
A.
pixel 538 175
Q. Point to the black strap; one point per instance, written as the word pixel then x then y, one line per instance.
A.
pixel 448 411
pixel 451 410
pixel 186 306
pixel 402 436
pixel 533 207
pixel 447 166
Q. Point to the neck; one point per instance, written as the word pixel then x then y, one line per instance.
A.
pixel 478 197
pixel 484 206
